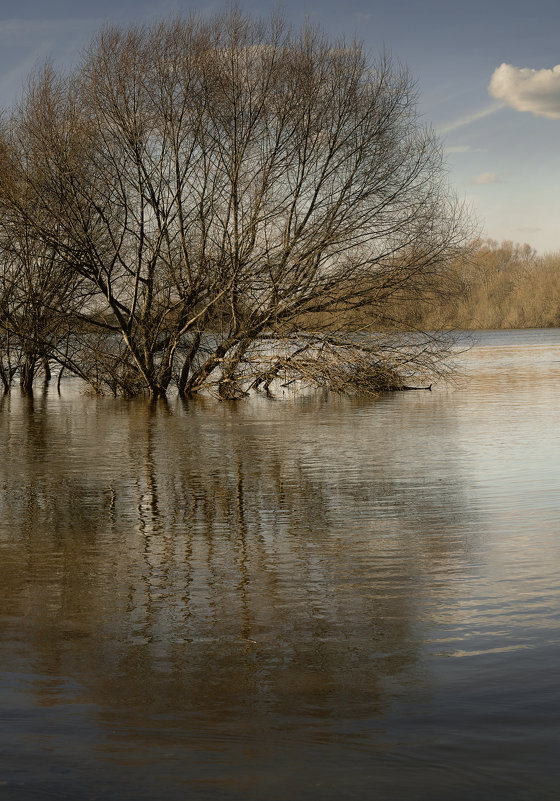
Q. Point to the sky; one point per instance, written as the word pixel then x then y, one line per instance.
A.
pixel 487 74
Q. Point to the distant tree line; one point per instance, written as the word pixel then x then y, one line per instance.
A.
pixel 498 285
pixel 220 204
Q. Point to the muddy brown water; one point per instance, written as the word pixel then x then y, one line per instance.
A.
pixel 295 599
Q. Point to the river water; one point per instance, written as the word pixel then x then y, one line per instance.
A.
pixel 294 599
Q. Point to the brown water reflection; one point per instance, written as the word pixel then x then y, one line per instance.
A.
pixel 262 600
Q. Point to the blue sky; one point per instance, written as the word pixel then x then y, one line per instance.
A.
pixel 502 149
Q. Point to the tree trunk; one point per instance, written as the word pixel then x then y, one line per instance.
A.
pixel 4 378
pixel 27 374
pixel 187 364
pixel 46 369
pixel 228 388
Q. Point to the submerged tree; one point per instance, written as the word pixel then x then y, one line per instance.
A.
pixel 235 195
pixel 40 303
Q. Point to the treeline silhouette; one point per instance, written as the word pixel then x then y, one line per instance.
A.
pixel 497 285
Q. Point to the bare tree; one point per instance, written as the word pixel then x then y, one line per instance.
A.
pixel 39 298
pixel 236 195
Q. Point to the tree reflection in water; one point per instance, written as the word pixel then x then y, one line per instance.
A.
pixel 218 580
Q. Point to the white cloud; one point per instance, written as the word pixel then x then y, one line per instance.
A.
pixel 462 149
pixel 486 178
pixel 536 91
pixel 467 119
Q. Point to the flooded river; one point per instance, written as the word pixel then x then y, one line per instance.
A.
pixel 281 600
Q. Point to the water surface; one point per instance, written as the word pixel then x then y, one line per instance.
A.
pixel 294 599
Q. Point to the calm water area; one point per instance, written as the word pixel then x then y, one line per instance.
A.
pixel 305 598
